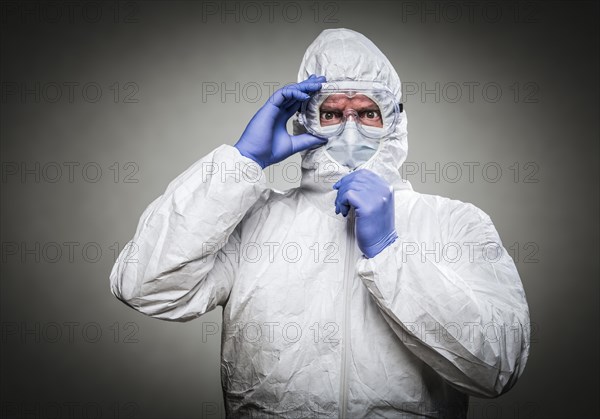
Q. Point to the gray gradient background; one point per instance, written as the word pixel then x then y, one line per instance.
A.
pixel 169 52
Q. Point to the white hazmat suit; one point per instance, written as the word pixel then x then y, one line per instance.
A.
pixel 311 327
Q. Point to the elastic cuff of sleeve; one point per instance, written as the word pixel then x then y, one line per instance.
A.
pixel 374 250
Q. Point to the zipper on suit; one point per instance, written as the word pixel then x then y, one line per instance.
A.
pixel 347 290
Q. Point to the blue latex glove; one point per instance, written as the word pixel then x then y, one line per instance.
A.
pixel 373 201
pixel 266 140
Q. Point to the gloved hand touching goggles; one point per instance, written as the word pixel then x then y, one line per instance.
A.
pixel 371 106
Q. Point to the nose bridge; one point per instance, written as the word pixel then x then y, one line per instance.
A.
pixel 351 115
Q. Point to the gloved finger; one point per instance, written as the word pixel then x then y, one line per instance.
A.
pixel 355 176
pixel 346 200
pixel 349 178
pixel 292 109
pixel 342 209
pixel 311 86
pixel 339 207
pixel 285 96
pixel 355 186
pixel 342 195
pixel 314 78
pixel 293 95
pixel 310 77
pixel 371 177
pixel 288 109
pixel 307 86
pixel 286 113
pixel 303 141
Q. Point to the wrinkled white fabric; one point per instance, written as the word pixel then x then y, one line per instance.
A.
pixel 311 328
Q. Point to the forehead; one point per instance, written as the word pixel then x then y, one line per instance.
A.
pixel 342 101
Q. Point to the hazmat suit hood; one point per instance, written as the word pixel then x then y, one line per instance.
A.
pixel 344 54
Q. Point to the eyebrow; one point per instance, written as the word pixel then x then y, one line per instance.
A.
pixel 368 108
pixel 328 108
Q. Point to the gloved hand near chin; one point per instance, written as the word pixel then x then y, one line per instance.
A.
pixel 266 140
pixel 373 201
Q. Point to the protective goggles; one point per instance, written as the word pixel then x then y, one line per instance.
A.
pixel 371 106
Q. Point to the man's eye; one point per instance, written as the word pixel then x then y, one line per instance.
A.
pixel 371 114
pixel 328 116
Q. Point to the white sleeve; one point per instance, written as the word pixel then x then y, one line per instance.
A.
pixel 464 314
pixel 182 259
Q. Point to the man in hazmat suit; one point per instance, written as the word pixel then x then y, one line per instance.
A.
pixel 351 295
